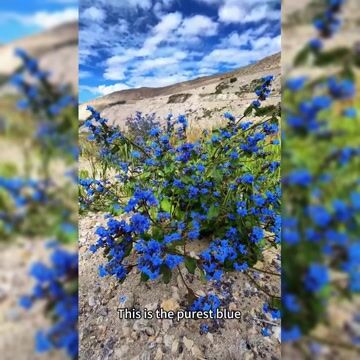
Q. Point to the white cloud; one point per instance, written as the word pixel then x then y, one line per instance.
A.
pixel 198 25
pixel 93 14
pixel 231 14
pixel 108 89
pixel 42 19
pixel 157 81
pixel 244 11
pixel 156 63
pixel 84 74
pixel 115 72
pixel 260 48
pixel 104 89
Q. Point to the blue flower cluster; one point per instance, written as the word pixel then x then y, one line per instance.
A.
pixel 22 195
pixel 223 186
pixel 328 23
pixel 48 104
pixel 53 287
pixel 264 91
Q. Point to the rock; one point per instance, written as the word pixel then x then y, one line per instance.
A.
pixel 170 305
pixel 120 353
pixel 196 352
pixel 159 354
pixel 277 333
pixel 175 346
pixel 188 343
pixel 175 293
pixel 129 302
pixel 92 301
pixel 151 307
pixel 168 340
pixel 145 356
pixel 210 337
pixel 134 335
pixel 200 293
pixel 233 307
pixel 248 356
pixel 140 325
pixel 150 331
pixel 166 324
pixel 152 345
pixel 103 311
pixel 126 331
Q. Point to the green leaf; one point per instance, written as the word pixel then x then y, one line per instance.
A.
pixel 166 272
pixel 275 303
pixel 190 265
pixel 165 205
pixel 144 277
pixel 213 212
pixel 248 110
pixel 302 57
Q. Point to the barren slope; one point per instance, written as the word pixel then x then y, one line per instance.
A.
pixel 203 100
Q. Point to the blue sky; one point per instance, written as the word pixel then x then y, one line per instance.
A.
pixel 19 18
pixel 135 43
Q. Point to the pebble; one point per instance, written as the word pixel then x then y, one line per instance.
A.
pixel 188 343
pixel 196 352
pixel 166 324
pixel 210 337
pixel 126 331
pixel 91 301
pixel 168 340
pixel 175 346
pixel 140 325
pixel 159 354
pixel 145 356
pixel 120 353
pixel 277 333
pixel 170 305
pixel 150 331
pixel 103 311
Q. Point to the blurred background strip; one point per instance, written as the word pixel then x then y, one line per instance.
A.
pixel 38 175
pixel 321 180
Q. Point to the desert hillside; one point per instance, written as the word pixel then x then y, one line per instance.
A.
pixel 56 49
pixel 203 100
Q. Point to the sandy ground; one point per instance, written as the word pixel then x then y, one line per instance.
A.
pixel 17 326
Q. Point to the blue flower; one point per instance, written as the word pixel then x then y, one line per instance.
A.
pixel 291 334
pixel 43 343
pixel 296 84
pixel 291 303
pixel 316 278
pixel 25 302
pixel 172 261
pixel 140 223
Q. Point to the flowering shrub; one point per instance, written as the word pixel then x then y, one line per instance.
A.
pixel 321 184
pixel 53 107
pixel 138 126
pixel 35 202
pixel 31 201
pixel 222 189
